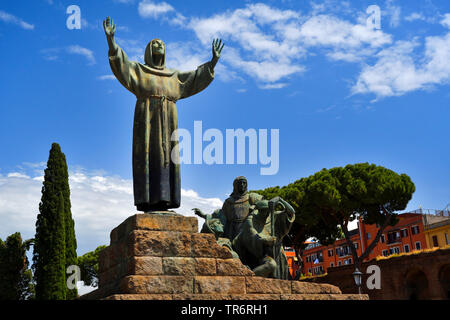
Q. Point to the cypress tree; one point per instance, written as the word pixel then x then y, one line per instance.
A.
pixel 55 243
pixel 15 277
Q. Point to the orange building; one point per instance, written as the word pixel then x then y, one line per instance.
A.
pixel 293 260
pixel 317 258
pixel 407 235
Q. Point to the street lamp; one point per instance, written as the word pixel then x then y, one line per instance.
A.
pixel 357 275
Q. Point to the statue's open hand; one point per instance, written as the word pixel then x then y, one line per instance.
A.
pixel 217 46
pixel 109 26
pixel 198 212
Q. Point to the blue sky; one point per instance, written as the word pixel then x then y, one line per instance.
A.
pixel 338 90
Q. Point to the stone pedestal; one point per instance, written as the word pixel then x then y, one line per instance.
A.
pixel 161 256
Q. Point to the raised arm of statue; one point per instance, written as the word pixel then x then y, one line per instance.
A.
pixel 199 213
pixel 217 46
pixel 126 71
pixel 110 30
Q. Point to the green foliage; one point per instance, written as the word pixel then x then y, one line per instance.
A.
pixel 336 196
pixel 88 264
pixel 55 243
pixel 306 225
pixel 15 277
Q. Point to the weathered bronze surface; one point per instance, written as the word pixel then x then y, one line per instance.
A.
pixel 252 229
pixel 156 169
pixel 237 207
pixel 259 242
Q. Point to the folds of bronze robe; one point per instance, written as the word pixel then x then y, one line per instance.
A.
pixel 156 169
pixel 252 250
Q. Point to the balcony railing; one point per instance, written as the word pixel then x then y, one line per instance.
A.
pixel 442 213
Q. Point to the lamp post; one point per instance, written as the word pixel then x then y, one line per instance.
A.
pixel 357 276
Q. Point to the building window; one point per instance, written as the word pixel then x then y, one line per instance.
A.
pixel 331 265
pixel 350 261
pixel 406 248
pixel 404 233
pixel 393 237
pixel 317 257
pixel 318 270
pixel 382 238
pixel 368 235
pixel 418 246
pixel 446 238
pixel 330 252
pixel 395 250
pixel 435 241
pixel 355 244
pixel 339 263
pixel 415 229
pixel 385 253
pixel 308 258
pixel 343 251
pixel 309 270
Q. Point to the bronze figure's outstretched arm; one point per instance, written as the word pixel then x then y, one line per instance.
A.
pixel 199 212
pixel 110 30
pixel 217 46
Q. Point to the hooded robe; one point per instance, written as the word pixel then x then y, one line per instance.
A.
pixel 156 158
pixel 236 208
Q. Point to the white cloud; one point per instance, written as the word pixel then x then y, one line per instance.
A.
pixel 326 30
pixel 52 54
pixel 133 48
pixel 446 20
pixel 270 45
pixel 256 42
pixel 267 43
pixel 150 9
pixel 394 12
pixel 419 16
pixel 100 202
pixel 274 85
pixel 185 56
pixel 398 71
pixel 87 53
pixel 106 77
pixel 415 16
pixel 17 175
pixel 266 71
pixel 9 18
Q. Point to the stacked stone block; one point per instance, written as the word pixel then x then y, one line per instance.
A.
pixel 161 256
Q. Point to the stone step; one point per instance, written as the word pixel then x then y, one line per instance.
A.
pixel 161 244
pixel 180 266
pixel 157 221
pixel 175 284
pixel 237 297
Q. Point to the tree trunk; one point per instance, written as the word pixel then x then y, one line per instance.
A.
pixel 360 259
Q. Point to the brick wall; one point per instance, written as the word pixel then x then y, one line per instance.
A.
pixel 420 276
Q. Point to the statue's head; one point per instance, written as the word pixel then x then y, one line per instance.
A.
pixel 240 186
pixel 155 48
